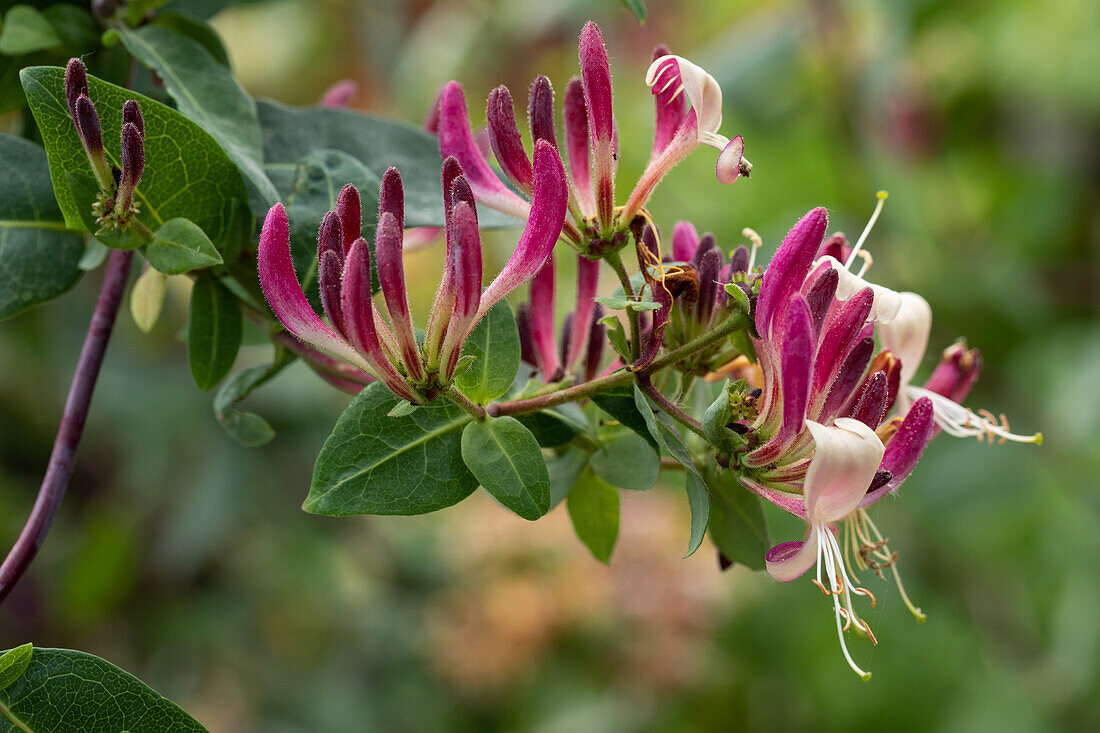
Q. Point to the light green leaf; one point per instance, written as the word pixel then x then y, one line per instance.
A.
pixel 63 690
pixel 213 331
pixel 506 459
pixel 737 524
pixel 637 7
pixel 564 471
pixel 179 246
pixel 627 460
pixel 13 663
pixel 186 172
pixel 206 91
pixel 402 408
pixel 147 298
pixel 670 439
pixel 95 254
pixel 248 429
pixel 26 30
pixel 196 30
pixel 39 256
pixel 594 508
pixel 617 336
pixel 374 464
pixel 494 343
pixel 619 304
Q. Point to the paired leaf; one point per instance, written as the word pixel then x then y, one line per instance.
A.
pixel 206 91
pixel 494 344
pixel 186 172
pixel 39 256
pixel 670 439
pixel 737 524
pixel 214 331
pixel 64 690
pixel 506 459
pixel 179 246
pixel 375 464
pixel 627 460
pixel 26 30
pixel 593 506
pixel 247 428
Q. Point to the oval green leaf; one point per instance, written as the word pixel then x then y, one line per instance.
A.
pixel 737 524
pixel 506 459
pixel 627 460
pixel 214 331
pixel 26 30
pixel 494 344
pixel 179 246
pixel 593 506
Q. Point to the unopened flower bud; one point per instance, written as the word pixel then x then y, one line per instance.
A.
pixel 870 408
pixel 76 84
pixel 566 337
pixel 131 113
pixel 821 295
pixel 391 197
pixel 596 77
pixel 349 209
pixel 709 265
pixel 706 243
pixel 685 241
pixel 505 139
pixel 597 336
pixel 540 111
pixel 133 164
pixel 330 238
pixel 526 344
pixel 577 143
pixel 739 260
pixel 330 277
pixel 542 321
pixel 91 137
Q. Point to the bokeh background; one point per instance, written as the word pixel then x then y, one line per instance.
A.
pixel 185 559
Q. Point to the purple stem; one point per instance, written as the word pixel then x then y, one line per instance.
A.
pixel 63 457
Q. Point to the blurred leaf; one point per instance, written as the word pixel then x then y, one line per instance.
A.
pixel 555 426
pixel 619 304
pixel 494 343
pixel 669 437
pixel 627 460
pixel 75 26
pixel 213 331
pixel 290 133
pixel 506 459
pixel 248 429
pixel 206 92
pixel 13 663
pixel 374 464
pixel 39 256
pixel 197 31
pixel 179 246
pixel 619 403
pixel 564 471
pixel 26 30
pixel 65 690
pixel 94 254
pixel 186 172
pixel 594 508
pixel 637 7
pixel 147 298
pixel 737 524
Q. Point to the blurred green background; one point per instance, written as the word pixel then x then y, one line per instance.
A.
pixel 185 559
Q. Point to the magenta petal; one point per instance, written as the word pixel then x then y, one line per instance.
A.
pixel 548 210
pixel 870 408
pixel 596 78
pixel 836 247
pixel 684 241
pixel 330 274
pixel 540 111
pixel 339 94
pixel 790 560
pixel 466 276
pixel 541 318
pixel 284 293
pixel 349 209
pixel 391 197
pixel 840 332
pixel 505 139
pixel 457 139
pixel 391 275
pixel 789 267
pixel 588 278
pixel 791 503
pixel 330 237
pixel 904 449
pixel 577 145
pixel 670 103
pixel 847 379
pixel 821 294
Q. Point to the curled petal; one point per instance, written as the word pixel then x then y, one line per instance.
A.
pixel 905 449
pixel 846 458
pixel 701 89
pixel 671 106
pixel 543 228
pixel 457 139
pixel 790 560
pixel 284 293
pixel 907 334
pixel 505 139
pixel 887 302
pixel 789 267
pixel 788 502
pixel 731 160
pixel 956 373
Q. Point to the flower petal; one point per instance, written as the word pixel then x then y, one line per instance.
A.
pixel 728 167
pixel 588 278
pixel 701 89
pixel 670 104
pixel 846 456
pixel 541 317
pixel 789 267
pixel 905 449
pixel 790 560
pixel 505 139
pixel 577 145
pixel 906 336
pixel 887 302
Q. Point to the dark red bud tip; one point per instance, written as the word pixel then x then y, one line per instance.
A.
pixel 566 337
pixel 871 406
pixel 133 156
pixel 706 244
pixel 461 193
pixel 330 277
pixel 349 209
pixel 882 477
pixel 505 140
pixel 451 169
pixel 87 124
pixel 596 76
pixel 660 50
pixel 391 199
pixel 739 260
pixel 131 113
pixel 596 340
pixel 76 84
pixel 649 239
pixel 330 237
pixel 540 111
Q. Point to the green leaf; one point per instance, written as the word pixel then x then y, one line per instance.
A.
pixel 13 663
pixel 619 304
pixel 196 30
pixel 594 508
pixel 627 460
pixel 671 440
pixel 564 471
pixel 213 331
pixel 617 336
pixel 494 343
pixel 186 172
pixel 65 690
pixel 375 464
pixel 26 30
pixel 248 429
pixel 76 27
pixel 737 524
pixel 555 426
pixel 179 246
pixel 206 91
pixel 637 7
pixel 291 133
pixel 319 178
pixel 618 402
pixel 147 298
pixel 506 459
pixel 39 256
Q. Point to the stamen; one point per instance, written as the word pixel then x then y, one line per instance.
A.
pixel 882 196
pixel 962 422
pixel 893 564
pixel 866 256
pixel 865 592
pixel 757 242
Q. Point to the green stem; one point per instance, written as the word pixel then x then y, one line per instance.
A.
pixel 456 396
pixel 616 261
pixel 670 408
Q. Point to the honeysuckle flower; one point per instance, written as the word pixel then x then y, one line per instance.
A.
pixel 541 319
pixel 907 338
pixel 356 332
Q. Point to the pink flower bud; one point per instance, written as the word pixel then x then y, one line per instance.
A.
pixel 542 322
pixel 505 139
pixel 596 78
pixel 349 209
pixel 577 145
pixel 131 113
pixel 540 111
